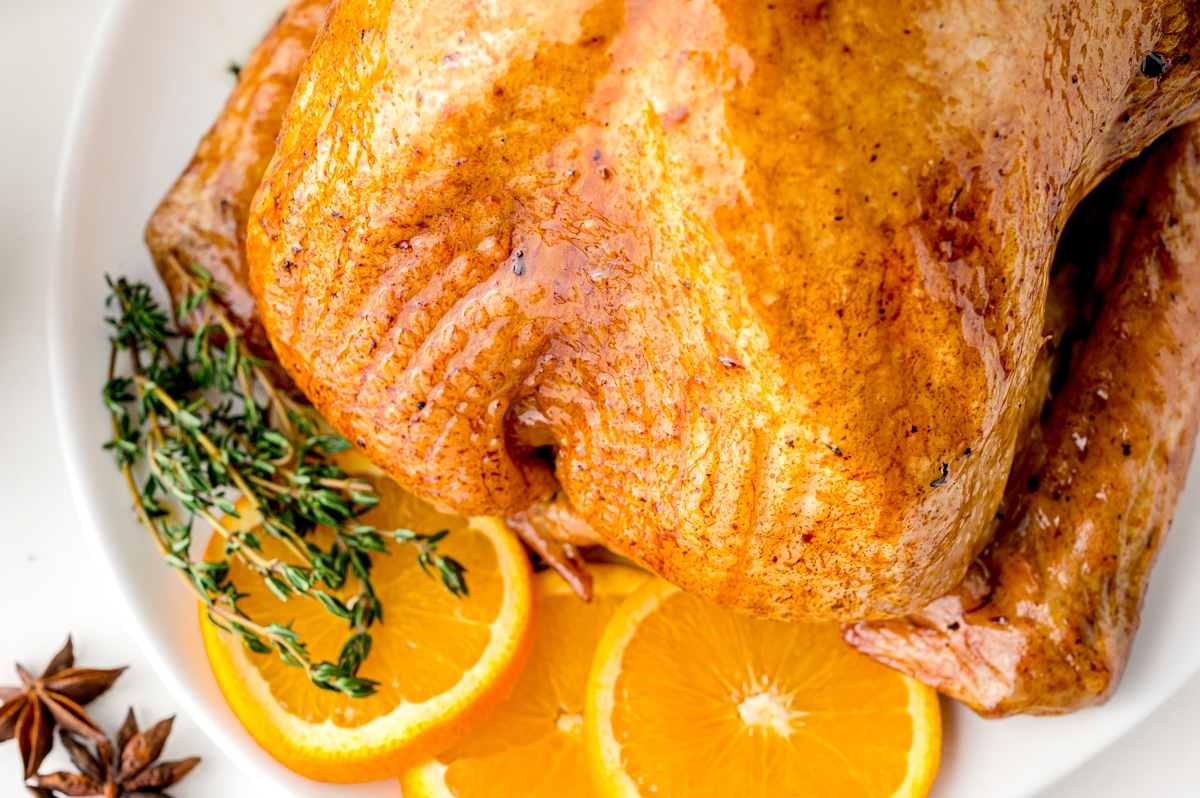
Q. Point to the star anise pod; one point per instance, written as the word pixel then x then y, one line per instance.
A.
pixel 123 770
pixel 30 712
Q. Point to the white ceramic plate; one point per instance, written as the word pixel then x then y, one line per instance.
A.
pixel 156 77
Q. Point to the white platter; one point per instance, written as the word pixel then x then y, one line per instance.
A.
pixel 156 76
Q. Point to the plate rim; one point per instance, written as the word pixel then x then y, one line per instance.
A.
pixel 83 109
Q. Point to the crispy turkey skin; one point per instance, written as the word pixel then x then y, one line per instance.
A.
pixel 766 281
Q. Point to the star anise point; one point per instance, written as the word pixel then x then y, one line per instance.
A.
pixel 65 658
pixel 31 712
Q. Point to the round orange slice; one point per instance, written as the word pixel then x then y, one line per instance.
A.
pixel 443 663
pixel 685 698
pixel 532 746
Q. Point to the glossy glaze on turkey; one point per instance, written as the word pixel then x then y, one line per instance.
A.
pixel 767 278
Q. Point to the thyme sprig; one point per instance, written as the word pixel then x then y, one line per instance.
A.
pixel 202 422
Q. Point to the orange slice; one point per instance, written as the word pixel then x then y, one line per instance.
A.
pixel 685 698
pixel 443 663
pixel 532 746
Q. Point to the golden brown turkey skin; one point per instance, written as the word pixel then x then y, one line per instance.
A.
pixel 766 278
pixel 202 220
pixel 1045 619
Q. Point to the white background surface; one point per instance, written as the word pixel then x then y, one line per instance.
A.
pixel 48 584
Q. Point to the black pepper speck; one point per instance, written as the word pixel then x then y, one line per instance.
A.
pixel 1154 65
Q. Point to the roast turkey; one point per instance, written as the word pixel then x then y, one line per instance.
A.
pixel 757 294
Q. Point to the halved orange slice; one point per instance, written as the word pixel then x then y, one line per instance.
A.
pixel 532 746
pixel 686 698
pixel 442 663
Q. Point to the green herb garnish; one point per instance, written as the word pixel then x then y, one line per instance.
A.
pixel 201 421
